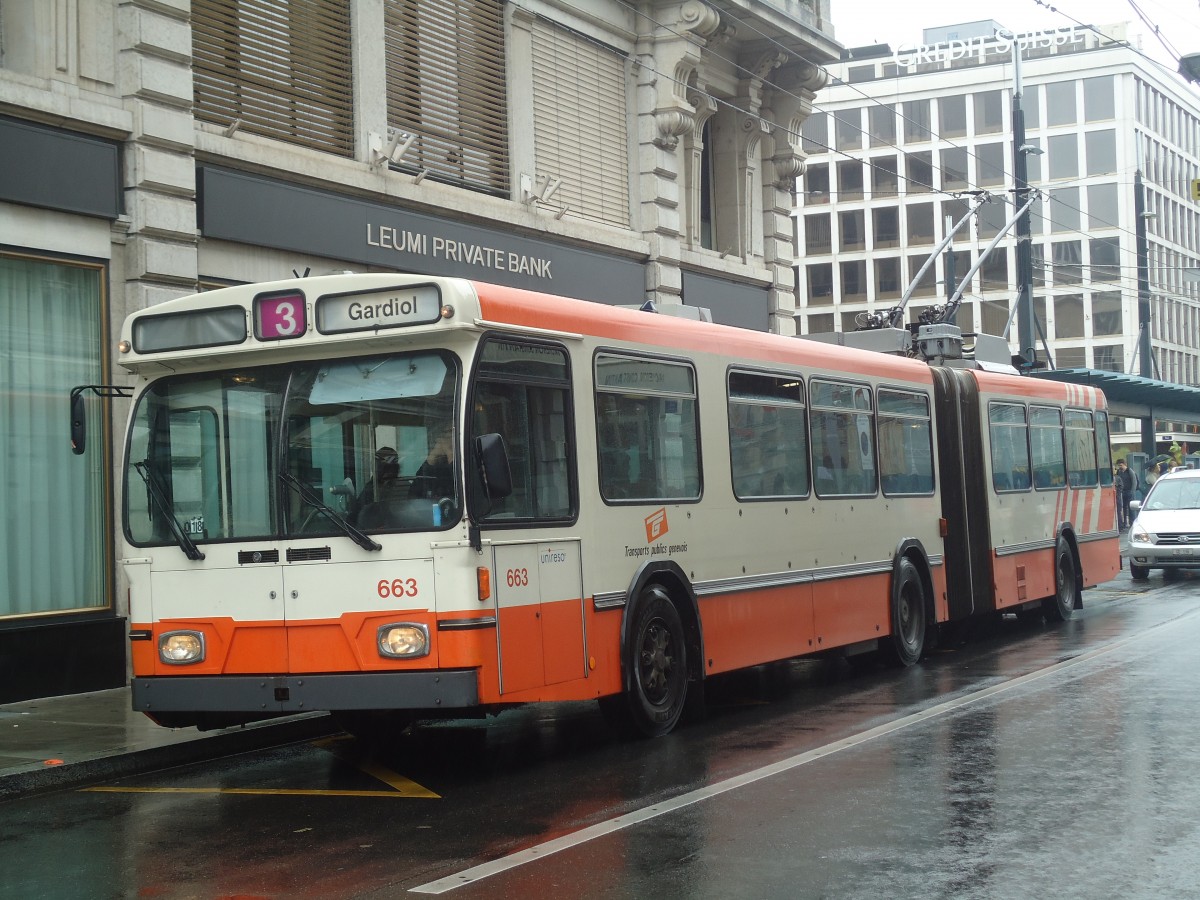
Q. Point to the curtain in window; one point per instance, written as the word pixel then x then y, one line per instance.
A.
pixel 52 534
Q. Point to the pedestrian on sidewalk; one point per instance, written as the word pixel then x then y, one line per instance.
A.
pixel 1126 483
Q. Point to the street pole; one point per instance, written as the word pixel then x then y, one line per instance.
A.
pixel 1143 282
pixel 1025 331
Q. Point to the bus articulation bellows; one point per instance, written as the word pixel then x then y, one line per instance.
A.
pixel 396 497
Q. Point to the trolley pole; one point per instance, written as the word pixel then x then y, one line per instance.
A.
pixel 1025 330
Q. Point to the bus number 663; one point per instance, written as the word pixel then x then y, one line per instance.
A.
pixel 517 578
pixel 397 587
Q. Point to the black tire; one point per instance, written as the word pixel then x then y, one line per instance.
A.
pixel 656 664
pixel 910 616
pixel 1059 607
pixel 1138 573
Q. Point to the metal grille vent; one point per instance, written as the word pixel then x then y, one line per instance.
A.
pixel 249 557
pixel 308 554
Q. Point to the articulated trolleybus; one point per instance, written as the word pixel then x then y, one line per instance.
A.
pixel 399 497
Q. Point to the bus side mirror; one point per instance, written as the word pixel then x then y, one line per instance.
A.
pixel 493 466
pixel 78 422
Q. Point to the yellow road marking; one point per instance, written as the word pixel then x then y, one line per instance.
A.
pixel 256 791
pixel 401 787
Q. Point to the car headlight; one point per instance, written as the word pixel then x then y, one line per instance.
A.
pixel 403 640
pixel 181 648
pixel 1139 534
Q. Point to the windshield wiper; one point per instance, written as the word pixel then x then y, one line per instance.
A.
pixel 158 494
pixel 310 497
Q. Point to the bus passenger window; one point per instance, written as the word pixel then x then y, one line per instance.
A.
pixel 1009 435
pixel 646 429
pixel 768 440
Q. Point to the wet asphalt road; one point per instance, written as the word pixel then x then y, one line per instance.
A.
pixel 1036 760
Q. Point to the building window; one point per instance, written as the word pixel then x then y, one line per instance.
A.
pixel 1060 103
pixel 820 284
pixel 916 121
pixel 814 133
pixel 1067 262
pixel 850 180
pixel 1100 148
pixel 954 168
pixel 993 274
pixel 446 85
pixel 817 235
pixel 1106 258
pixel 990 160
pixel 1098 99
pixel 816 184
pixel 1068 316
pixel 1064 209
pixel 854 280
pixel 280 70
pixel 580 123
pixel 1102 205
pixel 847 129
pixel 993 316
pixel 989 112
pixel 1106 313
pixel 887 278
pixel 1070 358
pixel 918 172
pixel 885 223
pixel 1107 358
pixel 54 551
pixel 820 324
pixel 882 121
pixel 952 116
pixel 927 286
pixel 1064 156
pixel 853 234
pixel 885 178
pixel 920 223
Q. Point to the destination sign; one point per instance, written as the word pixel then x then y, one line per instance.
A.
pixel 400 307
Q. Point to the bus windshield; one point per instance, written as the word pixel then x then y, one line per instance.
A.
pixel 309 449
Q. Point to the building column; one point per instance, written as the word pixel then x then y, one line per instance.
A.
pixel 155 80
pixel 787 104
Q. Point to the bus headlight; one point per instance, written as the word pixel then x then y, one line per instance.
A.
pixel 403 640
pixel 180 648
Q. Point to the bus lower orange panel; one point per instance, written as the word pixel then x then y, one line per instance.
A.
pixel 230 648
pixel 849 610
pixel 1101 560
pixel 745 629
pixel 1023 577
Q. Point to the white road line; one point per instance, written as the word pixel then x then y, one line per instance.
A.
pixel 599 830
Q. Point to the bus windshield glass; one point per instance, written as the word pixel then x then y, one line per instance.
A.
pixel 296 451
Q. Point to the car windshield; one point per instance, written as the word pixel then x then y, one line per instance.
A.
pixel 1175 493
pixel 303 449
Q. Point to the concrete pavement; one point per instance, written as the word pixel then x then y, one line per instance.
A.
pixel 62 742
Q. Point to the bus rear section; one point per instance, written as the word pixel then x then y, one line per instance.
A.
pixel 1033 524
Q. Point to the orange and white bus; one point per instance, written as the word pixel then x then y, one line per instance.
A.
pixel 397 497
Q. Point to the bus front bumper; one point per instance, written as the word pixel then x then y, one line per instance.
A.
pixel 276 694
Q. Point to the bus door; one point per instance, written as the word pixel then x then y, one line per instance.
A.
pixel 539 613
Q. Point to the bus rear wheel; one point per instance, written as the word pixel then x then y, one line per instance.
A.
pixel 909 616
pixel 656 661
pixel 1066 585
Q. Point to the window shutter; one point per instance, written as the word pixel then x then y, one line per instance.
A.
pixel 581 123
pixel 446 86
pixel 281 67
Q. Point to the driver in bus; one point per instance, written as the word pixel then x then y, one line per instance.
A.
pixel 435 477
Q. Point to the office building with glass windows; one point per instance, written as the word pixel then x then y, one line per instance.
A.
pixel 906 138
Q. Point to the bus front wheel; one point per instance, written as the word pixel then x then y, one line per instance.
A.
pixel 909 616
pixel 656 661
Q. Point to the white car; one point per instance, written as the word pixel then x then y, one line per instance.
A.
pixel 1166 533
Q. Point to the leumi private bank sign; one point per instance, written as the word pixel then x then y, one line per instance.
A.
pixel 908 55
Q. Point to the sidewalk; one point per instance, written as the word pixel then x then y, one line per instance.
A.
pixel 62 742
